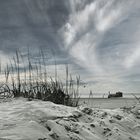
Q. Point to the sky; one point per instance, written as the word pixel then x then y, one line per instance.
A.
pixel 98 39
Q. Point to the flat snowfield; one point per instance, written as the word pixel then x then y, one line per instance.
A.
pixel 37 120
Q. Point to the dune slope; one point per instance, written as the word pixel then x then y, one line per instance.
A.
pixel 38 120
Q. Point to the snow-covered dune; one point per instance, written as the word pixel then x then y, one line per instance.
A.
pixel 38 120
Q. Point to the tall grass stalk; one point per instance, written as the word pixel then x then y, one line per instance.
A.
pixel 32 81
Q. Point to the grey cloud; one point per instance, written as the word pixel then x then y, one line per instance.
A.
pixel 99 38
pixel 31 24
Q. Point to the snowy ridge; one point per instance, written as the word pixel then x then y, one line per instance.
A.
pixel 38 120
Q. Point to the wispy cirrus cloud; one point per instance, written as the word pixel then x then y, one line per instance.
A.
pixel 86 27
pixel 98 38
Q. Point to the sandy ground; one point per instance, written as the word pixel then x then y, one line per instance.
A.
pixel 38 120
pixel 106 103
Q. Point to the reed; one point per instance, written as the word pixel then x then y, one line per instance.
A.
pixel 33 82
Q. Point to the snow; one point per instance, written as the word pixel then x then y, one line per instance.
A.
pixel 38 120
